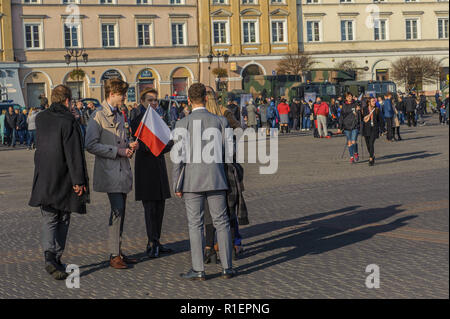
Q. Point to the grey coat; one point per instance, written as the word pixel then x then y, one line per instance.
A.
pixel 201 177
pixel 31 120
pixel 105 134
pixel 251 117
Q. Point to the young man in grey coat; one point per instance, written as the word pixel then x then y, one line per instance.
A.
pixel 203 181
pixel 107 139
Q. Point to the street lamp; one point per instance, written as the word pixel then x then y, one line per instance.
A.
pixel 76 53
pixel 211 57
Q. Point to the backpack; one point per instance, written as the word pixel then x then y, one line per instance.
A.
pixel 271 112
pixel 307 110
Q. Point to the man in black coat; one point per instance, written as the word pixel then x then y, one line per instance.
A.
pixel 11 121
pixel 295 111
pixel 234 108
pixel 60 184
pixel 151 180
pixel 410 109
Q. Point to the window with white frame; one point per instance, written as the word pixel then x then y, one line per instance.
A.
pixel 249 1
pixel 31 1
pixel 220 1
pixel 108 1
pixel 145 34
pixel 72 36
pixel 380 29
pixel 347 30
pixel 313 31
pixel 178 33
pixel 412 29
pixel 220 32
pixel 277 1
pixel 346 1
pixel 143 1
pixel 33 35
pixel 279 31
pixel 109 35
pixel 176 2
pixel 443 28
pixel 70 1
pixel 250 32
pixel 312 1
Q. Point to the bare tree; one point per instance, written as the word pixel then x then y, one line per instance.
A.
pixel 415 71
pixel 350 67
pixel 295 64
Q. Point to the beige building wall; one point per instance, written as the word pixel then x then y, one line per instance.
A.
pixel 263 54
pixel 363 49
pixel 44 67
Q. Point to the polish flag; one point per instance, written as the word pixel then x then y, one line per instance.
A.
pixel 153 132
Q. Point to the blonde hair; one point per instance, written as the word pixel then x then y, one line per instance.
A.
pixel 212 106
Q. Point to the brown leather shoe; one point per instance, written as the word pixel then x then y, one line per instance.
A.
pixel 118 263
pixel 129 260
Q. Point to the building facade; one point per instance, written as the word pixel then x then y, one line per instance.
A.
pixel 148 43
pixel 374 33
pixel 9 69
pixel 255 34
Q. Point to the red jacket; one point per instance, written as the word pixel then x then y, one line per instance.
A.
pixel 321 109
pixel 283 108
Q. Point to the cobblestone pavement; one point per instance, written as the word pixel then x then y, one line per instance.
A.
pixel 315 227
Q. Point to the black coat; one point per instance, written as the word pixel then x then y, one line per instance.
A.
pixel 151 180
pixel 11 120
pixel 350 118
pixel 410 104
pixel 367 128
pixel 59 162
pixel 295 110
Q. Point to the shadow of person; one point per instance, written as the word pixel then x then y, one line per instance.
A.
pixel 323 235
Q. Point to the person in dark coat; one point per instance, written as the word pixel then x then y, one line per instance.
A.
pixel 11 120
pixel 60 183
pixel 295 111
pixel 371 127
pixel 151 181
pixel 410 108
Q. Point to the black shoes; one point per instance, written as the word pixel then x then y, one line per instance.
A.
pixel 54 267
pixel 228 273
pixel 210 256
pixel 194 275
pixel 154 250
pixel 372 162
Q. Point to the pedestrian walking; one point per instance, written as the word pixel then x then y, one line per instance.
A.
pixel 106 138
pixel 60 186
pixel 372 121
pixel 349 123
pixel 388 115
pixel 251 115
pixel 200 182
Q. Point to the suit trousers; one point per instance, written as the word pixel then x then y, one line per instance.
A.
pixel 154 214
pixel 55 226
pixel 195 204
pixel 116 220
pixel 389 123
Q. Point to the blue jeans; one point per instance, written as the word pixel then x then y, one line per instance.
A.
pixel 351 135
pixel 401 117
pixel 306 122
pixel 31 137
pixel 23 136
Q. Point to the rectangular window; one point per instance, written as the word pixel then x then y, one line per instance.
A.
pixel 346 30
pixel 178 34
pixel 443 28
pixel 71 36
pixel 313 31
pixel 412 29
pixel 144 34
pixel 220 32
pixel 249 32
pixel 108 35
pixel 32 36
pixel 380 30
pixel 278 32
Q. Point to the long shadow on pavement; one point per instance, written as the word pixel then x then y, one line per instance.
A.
pixel 317 234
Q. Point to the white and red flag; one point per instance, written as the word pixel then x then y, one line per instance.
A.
pixel 153 131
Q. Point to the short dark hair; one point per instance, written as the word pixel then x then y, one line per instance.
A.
pixel 148 91
pixel 349 94
pixel 115 86
pixel 60 94
pixel 197 93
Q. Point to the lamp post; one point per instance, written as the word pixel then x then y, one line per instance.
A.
pixel 76 53
pixel 211 57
